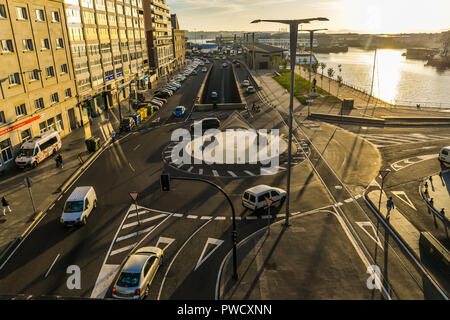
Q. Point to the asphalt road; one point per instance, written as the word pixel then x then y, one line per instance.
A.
pixel 221 81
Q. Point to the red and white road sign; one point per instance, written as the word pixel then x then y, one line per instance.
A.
pixel 134 195
pixel 269 201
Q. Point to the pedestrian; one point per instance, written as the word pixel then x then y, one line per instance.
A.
pixel 5 205
pixel 59 160
pixel 390 206
pixel 113 136
pixel 418 106
pixel 432 202
pixel 431 180
pixel 442 212
pixel 426 185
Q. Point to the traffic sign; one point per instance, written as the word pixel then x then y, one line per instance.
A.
pixel 384 173
pixel 134 195
pixel 269 201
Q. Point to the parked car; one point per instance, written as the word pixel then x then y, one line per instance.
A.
pixel 79 206
pixel 251 89
pixel 162 94
pixel 245 83
pixel 194 72
pixel 214 95
pixel 157 102
pixel 127 124
pixel 160 99
pixel 444 154
pixel 207 123
pixel 179 111
pixel 255 198
pixel 204 69
pixel 39 148
pixel 137 274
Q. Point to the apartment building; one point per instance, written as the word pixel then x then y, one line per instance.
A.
pixel 158 28
pixel 37 82
pixel 179 43
pixel 109 52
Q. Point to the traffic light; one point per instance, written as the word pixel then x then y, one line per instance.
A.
pixel 165 182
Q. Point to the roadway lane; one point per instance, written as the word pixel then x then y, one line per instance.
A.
pixel 221 81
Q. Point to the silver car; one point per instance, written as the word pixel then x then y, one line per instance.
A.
pixel 137 274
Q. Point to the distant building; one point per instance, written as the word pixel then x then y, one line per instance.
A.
pixel 37 81
pixel 179 43
pixel 262 56
pixel 158 28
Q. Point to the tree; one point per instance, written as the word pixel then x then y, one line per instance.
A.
pixel 323 65
pixel 330 72
pixel 339 80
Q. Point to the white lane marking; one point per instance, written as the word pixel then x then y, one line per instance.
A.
pixel 135 148
pixel 122 249
pixel 131 167
pixel 251 218
pixel 165 240
pixel 249 173
pixel 179 166
pixel 134 234
pixel 190 169
pixel 144 221
pixel 232 174
pixel 338 187
pixel 364 224
pixel 216 242
pixel 215 173
pixel 338 204
pixel 49 269
pixel 200 171
pixel 105 280
pixel 178 215
pixel 348 200
pixel 192 217
pixel 403 197
pixel 268 216
pixel 51 207
pixel 237 218
pixel 357 196
pixel 206 218
pixel 220 218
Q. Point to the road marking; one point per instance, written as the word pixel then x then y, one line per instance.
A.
pixel 105 280
pixel 144 221
pixel 206 218
pixel 363 225
pixel 348 200
pixel 131 167
pixel 190 169
pixel 180 165
pixel 402 196
pixel 52 266
pixel 167 241
pixel 220 218
pixel 232 174
pixel 134 234
pixel 251 218
pixel 178 215
pixel 216 242
pixel 192 217
pixel 122 249
pixel 51 207
pixel 249 173
pixel 338 204
pixel 200 171
pixel 268 216
pixel 338 187
pixel 215 173
pixel 135 148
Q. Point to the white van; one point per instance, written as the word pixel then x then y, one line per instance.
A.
pixel 34 151
pixel 444 154
pixel 255 197
pixel 79 206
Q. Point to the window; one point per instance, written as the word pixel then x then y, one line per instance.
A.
pixel 40 15
pixel 50 72
pixel 42 127
pixel 14 79
pixel 59 123
pixel 6 150
pixel 27 45
pixel 25 135
pixel 54 97
pixel 21 110
pixel 64 68
pixel 39 103
pixel 34 75
pixel 45 44
pixel 55 16
pixel 21 13
pixel 59 43
pixel 2 117
pixel 7 46
pixel 2 11
pixel 68 93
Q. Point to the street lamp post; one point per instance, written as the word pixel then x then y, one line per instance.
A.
pixel 311 38
pixel 293 29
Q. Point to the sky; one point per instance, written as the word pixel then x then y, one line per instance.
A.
pixel 363 16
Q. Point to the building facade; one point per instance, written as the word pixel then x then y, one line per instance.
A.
pixel 179 43
pixel 158 30
pixel 37 82
pixel 108 47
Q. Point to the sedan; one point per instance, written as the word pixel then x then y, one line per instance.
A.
pixel 137 274
pixel 179 111
pixel 204 69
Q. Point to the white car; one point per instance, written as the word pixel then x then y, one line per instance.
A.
pixel 224 65
pixel 256 198
pixel 251 89
pixel 444 154
pixel 79 206
pixel 204 69
pixel 245 83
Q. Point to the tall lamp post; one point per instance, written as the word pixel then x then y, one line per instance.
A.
pixel 293 29
pixel 311 38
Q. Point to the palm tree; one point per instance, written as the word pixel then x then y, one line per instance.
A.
pixel 339 80
pixel 323 65
pixel 330 72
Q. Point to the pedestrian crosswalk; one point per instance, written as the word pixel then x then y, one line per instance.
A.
pixel 388 140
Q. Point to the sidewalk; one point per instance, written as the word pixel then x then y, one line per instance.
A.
pixel 297 263
pixel 46 178
pixel 439 190
pixel 375 108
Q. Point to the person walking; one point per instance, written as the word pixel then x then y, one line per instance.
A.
pixel 59 160
pixel 113 136
pixel 5 205
pixel 390 206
